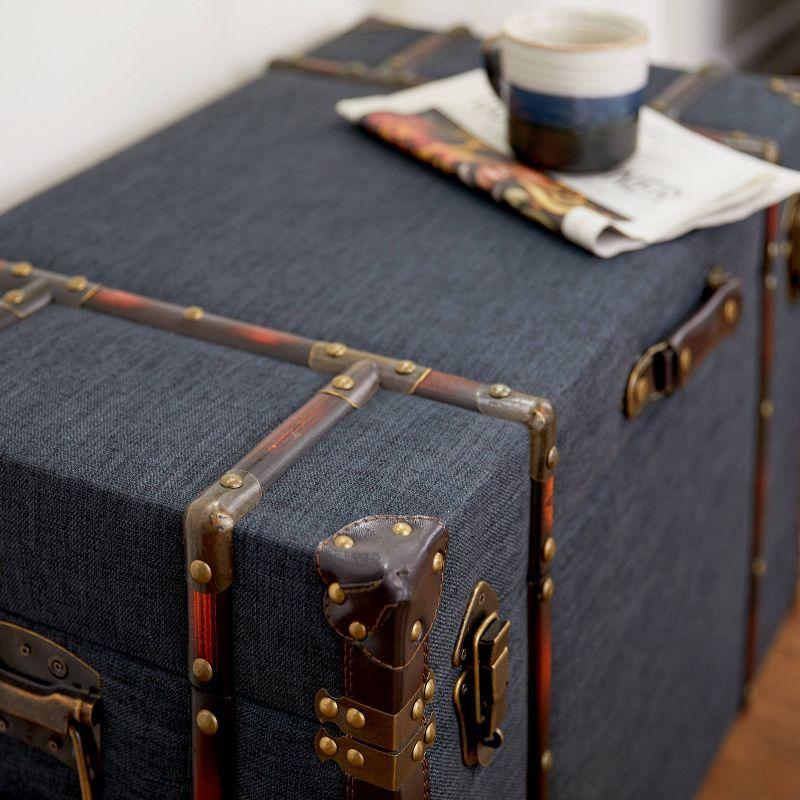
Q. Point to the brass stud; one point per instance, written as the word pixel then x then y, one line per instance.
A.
pixel 553 458
pixel 401 529
pixel 685 359
pixel 336 350
pixel 343 382
pixel 416 630
pixel 499 390
pixel 327 746
pixel 14 297
pixel 77 283
pixel 222 521
pixel 642 390
pixel 355 759
pixel 771 283
pixel 358 631
pixel 202 670
pixel 344 542
pixel 193 313
pixel 328 707
pixel 207 722
pixel 22 270
pixel 548 589
pixel 430 733
pixel 405 367
pixel 231 481
pixel 417 710
pixel 200 571
pixel 766 408
pixel 773 250
pixel 438 562
pixel 430 689
pixel 730 311
pixel 418 753
pixel 355 719
pixel 549 549
pixel 759 567
pixel 547 761
pixel 336 593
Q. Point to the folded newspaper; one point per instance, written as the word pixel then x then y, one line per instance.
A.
pixel 677 180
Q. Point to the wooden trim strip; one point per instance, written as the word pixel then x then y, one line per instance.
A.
pixel 496 400
pixel 208 529
pixel 540 593
pixel 764 414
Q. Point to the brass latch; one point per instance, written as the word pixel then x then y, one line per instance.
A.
pixel 668 366
pixel 480 690
pixel 50 700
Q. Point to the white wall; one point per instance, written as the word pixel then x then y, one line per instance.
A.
pixel 81 79
pixel 683 32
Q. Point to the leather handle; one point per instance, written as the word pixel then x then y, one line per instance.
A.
pixel 670 364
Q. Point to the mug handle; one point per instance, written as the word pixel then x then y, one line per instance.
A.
pixel 490 53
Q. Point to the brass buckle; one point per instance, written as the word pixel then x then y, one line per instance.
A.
pixel 480 690
pixel 50 700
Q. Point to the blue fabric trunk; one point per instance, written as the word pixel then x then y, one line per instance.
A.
pixel 267 207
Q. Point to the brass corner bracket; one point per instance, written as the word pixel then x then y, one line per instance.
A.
pixel 50 700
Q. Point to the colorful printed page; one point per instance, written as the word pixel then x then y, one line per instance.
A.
pixel 676 181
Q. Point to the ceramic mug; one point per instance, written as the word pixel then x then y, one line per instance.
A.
pixel 573 82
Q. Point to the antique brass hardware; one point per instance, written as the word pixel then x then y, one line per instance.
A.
pixel 384 770
pixel 390 732
pixel 668 365
pixel 50 700
pixel 480 690
pixel 788 88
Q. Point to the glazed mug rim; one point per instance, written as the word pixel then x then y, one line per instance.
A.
pixel 637 32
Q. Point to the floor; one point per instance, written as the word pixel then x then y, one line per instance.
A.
pixel 760 759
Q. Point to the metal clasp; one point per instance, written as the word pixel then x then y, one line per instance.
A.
pixel 50 700
pixel 480 690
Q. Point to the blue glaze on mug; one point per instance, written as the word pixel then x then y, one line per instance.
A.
pixel 571 112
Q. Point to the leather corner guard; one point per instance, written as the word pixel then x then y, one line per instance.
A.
pixel 384 576
pixel 669 365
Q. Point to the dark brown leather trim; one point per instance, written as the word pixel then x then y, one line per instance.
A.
pixel 389 586
pixel 670 364
pixel 384 578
